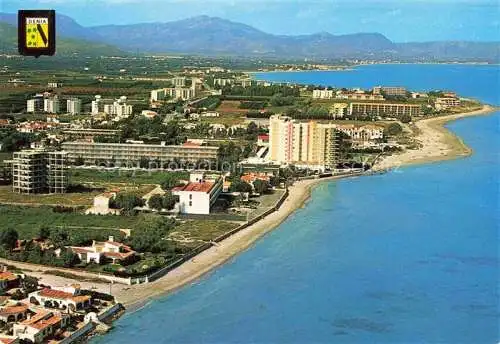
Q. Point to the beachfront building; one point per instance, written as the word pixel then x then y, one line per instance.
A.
pixel 309 144
pixel 390 90
pixel 130 154
pixel 384 109
pixel 323 94
pixel 101 251
pixel 38 171
pixel 68 298
pixel 74 106
pixel 444 103
pixel 198 196
pixel 358 95
pixel 362 133
pixel 41 326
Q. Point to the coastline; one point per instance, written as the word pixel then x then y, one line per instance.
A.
pixel 439 144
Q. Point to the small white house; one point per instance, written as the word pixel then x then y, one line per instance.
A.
pixel 101 205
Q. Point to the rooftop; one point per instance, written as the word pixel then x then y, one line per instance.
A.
pixel 195 187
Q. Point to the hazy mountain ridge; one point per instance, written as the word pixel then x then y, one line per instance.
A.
pixel 216 36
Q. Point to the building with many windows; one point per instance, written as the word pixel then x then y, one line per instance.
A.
pixel 323 94
pixel 389 90
pixel 198 196
pixel 51 104
pixel 309 144
pixel 39 171
pixel 443 103
pixel 130 154
pixel 74 106
pixel 384 109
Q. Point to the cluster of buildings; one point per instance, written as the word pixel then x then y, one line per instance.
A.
pixel 356 94
pixel 313 144
pixel 48 314
pixel 118 107
pixel 49 103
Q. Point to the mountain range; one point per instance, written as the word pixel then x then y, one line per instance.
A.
pixel 215 36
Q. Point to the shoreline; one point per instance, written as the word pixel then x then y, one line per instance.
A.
pixel 439 144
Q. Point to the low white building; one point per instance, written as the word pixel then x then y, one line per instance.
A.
pixel 198 196
pixel 69 298
pixel 40 326
pixel 101 205
pixel 323 94
pixel 446 102
pixel 110 250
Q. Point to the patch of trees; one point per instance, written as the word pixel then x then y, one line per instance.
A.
pixel 126 201
pixel 12 140
pixel 230 154
pixel 393 129
pixel 151 235
pixel 166 201
pixel 256 90
pixel 240 186
pixel 281 100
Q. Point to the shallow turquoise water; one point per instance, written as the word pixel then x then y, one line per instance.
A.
pixel 406 257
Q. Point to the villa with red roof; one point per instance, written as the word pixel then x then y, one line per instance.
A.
pixel 65 298
pixel 110 250
pixel 42 325
pixel 198 196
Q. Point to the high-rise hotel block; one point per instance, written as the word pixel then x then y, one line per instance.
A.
pixel 303 143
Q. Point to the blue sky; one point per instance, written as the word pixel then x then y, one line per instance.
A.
pixel 399 20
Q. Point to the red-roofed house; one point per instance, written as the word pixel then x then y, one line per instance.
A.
pixel 8 280
pixel 197 197
pixel 41 325
pixel 67 298
pixel 117 252
pixel 13 312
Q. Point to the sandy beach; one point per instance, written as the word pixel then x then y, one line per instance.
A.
pixel 438 144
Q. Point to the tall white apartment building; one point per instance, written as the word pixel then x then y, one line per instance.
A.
pixel 74 106
pixel 96 105
pixel 51 105
pixel 119 108
pixel 302 143
pixel 179 81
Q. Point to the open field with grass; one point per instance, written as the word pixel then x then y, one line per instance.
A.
pixel 27 220
pixel 68 199
pixel 195 232
pixel 136 177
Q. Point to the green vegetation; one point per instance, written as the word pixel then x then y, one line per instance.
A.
pixel 28 220
pixel 134 177
pixel 159 202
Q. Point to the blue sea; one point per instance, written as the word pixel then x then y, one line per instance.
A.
pixel 411 256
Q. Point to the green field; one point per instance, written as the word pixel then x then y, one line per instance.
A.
pixel 137 177
pixel 27 220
